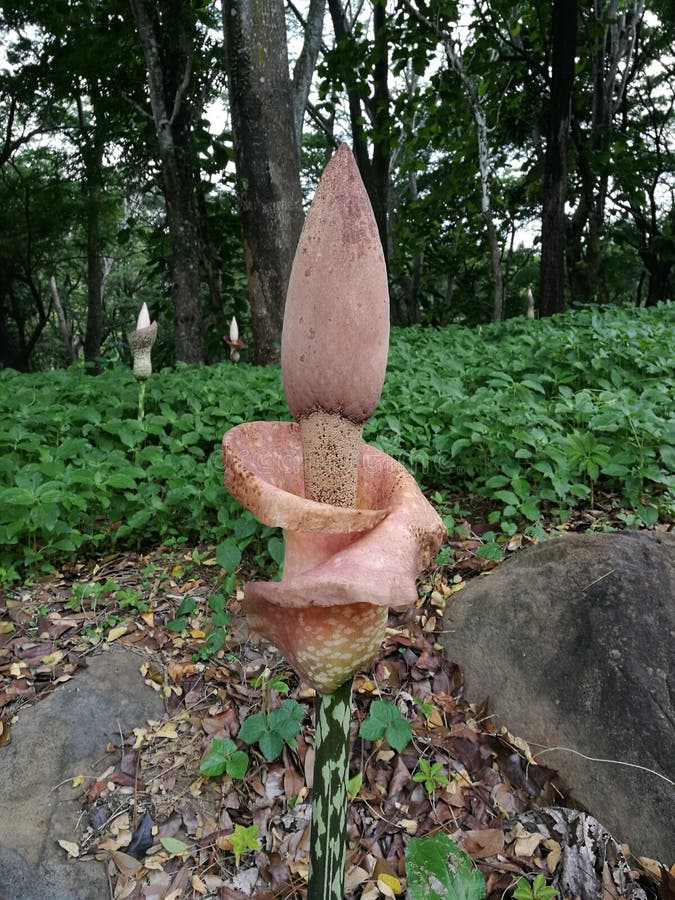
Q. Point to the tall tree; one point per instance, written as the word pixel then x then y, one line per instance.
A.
pixel 167 32
pixel 92 143
pixel 267 159
pixel 553 220
pixel 611 29
pixel 361 65
pixel 473 87
pixel 305 64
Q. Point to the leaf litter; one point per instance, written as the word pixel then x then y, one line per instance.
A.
pixel 165 831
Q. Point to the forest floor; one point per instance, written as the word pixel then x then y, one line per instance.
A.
pixel 151 787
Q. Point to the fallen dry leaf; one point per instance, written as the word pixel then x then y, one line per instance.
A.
pixel 483 843
pixel 71 848
pixel 116 633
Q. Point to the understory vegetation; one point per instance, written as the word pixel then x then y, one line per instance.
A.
pixel 534 418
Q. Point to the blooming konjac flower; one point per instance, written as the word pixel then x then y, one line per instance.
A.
pixel 358 529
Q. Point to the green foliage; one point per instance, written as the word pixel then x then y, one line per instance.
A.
pixel 79 473
pixel 431 775
pixel 244 838
pixel 536 416
pixel 437 869
pixel 180 621
pixel 223 757
pixel 354 785
pixel 219 619
pixel 384 720
pixel 90 594
pixel 533 416
pixel 537 890
pixel 131 598
pixel 271 729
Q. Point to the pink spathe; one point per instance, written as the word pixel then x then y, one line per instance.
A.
pixel 343 567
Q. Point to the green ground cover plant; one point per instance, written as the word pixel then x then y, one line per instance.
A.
pixel 536 417
pixel 437 869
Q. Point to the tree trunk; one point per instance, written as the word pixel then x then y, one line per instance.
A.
pixel 91 151
pixel 614 46
pixel 71 346
pixel 167 47
pixel 381 124
pixel 478 110
pixel 266 158
pixel 553 222
pixel 375 172
pixel 94 329
pixel 306 63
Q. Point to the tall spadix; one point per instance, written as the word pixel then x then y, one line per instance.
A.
pixel 336 330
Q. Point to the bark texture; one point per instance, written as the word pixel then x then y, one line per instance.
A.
pixel 266 158
pixel 374 171
pixel 553 226
pixel 91 148
pixel 165 32
pixel 306 63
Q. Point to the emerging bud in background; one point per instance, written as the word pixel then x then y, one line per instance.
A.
pixel 530 304
pixel 233 341
pixel 141 341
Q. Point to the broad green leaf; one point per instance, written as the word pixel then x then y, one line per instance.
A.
pixel 398 734
pixel 372 729
pixel 252 728
pixel 271 744
pixel 281 722
pixel 437 869
pixel 275 548
pixel 237 764
pixel 243 838
pixel 295 710
pixel 354 785
pixel 228 555
pixel 530 509
pixel 187 606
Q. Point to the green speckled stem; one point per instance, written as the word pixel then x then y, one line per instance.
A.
pixel 329 796
pixel 141 400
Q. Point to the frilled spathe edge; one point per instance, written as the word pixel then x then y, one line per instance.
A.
pixel 263 467
pixel 334 556
pixel 343 568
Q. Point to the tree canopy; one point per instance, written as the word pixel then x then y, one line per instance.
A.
pixel 144 158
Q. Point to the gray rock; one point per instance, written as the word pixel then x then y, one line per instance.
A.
pixel 573 641
pixel 60 737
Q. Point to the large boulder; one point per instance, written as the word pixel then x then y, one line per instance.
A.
pixel 574 642
pixel 62 736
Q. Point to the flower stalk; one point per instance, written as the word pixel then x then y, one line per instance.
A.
pixel 328 844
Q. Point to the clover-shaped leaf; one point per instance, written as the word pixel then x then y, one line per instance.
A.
pixel 223 756
pixel 385 721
